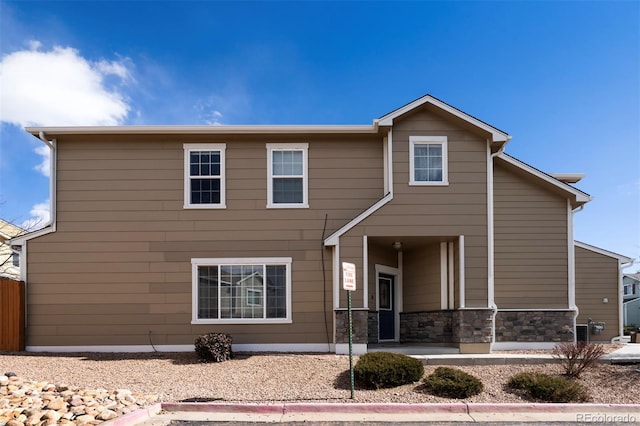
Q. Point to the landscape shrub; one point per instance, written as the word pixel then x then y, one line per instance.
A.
pixel 576 357
pixel 452 383
pixel 377 370
pixel 547 388
pixel 213 347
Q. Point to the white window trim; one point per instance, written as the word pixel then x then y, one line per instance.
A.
pixel 304 147
pixel 430 140
pixel 239 261
pixel 188 147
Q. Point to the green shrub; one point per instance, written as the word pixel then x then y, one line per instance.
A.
pixel 548 388
pixel 452 383
pixel 213 347
pixel 377 370
pixel 576 357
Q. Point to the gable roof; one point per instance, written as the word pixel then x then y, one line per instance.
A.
pixel 621 258
pixel 497 135
pixel 578 197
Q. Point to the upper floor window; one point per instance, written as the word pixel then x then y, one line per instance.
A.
pixel 287 184
pixel 628 289
pixel 428 160
pixel 204 183
pixel 15 260
pixel 241 291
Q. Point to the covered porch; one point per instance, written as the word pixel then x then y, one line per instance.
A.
pixel 414 298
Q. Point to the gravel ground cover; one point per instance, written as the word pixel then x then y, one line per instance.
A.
pixel 280 377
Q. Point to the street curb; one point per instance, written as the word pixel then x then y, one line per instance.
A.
pixel 281 408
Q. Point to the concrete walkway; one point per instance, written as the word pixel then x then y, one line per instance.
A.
pixel 629 353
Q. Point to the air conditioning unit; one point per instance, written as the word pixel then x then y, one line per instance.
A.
pixel 582 333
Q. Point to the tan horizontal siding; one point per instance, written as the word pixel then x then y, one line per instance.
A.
pixel 459 208
pixel 123 247
pixel 597 278
pixel 531 254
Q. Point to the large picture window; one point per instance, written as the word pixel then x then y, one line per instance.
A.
pixel 287 180
pixel 204 184
pixel 428 160
pixel 241 290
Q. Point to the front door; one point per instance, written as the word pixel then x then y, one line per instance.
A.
pixel 386 307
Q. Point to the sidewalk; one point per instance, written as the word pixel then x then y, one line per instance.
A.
pixel 164 414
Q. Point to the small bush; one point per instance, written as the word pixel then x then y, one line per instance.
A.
pixel 452 383
pixel 377 370
pixel 576 357
pixel 548 388
pixel 214 347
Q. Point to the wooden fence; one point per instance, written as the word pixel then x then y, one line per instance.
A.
pixel 12 312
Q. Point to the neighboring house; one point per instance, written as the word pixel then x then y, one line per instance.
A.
pixel 631 283
pixel 9 260
pixel 631 294
pixel 163 233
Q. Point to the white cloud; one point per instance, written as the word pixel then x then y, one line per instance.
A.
pixel 60 87
pixel 45 166
pixel 40 216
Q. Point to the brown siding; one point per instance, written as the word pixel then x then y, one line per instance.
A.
pixel 421 279
pixel 118 268
pixel 448 211
pixel 597 277
pixel 531 254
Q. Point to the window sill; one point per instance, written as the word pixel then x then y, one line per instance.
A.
pixel 204 206
pixel 287 206
pixel 242 321
pixel 428 183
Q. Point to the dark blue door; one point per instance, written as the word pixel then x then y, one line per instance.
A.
pixel 386 308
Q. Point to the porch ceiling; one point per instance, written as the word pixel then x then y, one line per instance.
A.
pixel 408 242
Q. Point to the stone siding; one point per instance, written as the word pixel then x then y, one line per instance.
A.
pixel 373 326
pixel 426 327
pixel 473 326
pixel 360 329
pixel 534 326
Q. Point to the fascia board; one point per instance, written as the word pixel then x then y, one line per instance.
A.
pixel 18 241
pixel 497 135
pixel 334 238
pixel 580 196
pixel 172 130
pixel 623 259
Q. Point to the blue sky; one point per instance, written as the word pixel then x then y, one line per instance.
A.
pixel 562 77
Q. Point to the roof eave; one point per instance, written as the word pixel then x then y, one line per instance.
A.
pixel 183 129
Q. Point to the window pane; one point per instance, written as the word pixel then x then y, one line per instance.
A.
pixel 276 291
pixel 204 163
pixel 208 292
pixel 287 163
pixel 287 191
pixel 205 191
pixel 427 162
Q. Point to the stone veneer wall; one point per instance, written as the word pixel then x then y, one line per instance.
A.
pixel 534 326
pixel 426 327
pixel 373 326
pixel 360 326
pixel 473 326
pixel 460 326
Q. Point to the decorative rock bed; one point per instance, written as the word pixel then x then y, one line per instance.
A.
pixel 24 402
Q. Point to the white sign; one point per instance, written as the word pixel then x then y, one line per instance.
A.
pixel 348 276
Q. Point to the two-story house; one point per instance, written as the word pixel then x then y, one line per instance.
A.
pixel 9 260
pixel 162 233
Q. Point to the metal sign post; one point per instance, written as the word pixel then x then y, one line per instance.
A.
pixel 349 284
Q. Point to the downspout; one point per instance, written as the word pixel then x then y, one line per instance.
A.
pixel 52 179
pixel 491 303
pixel 571 296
